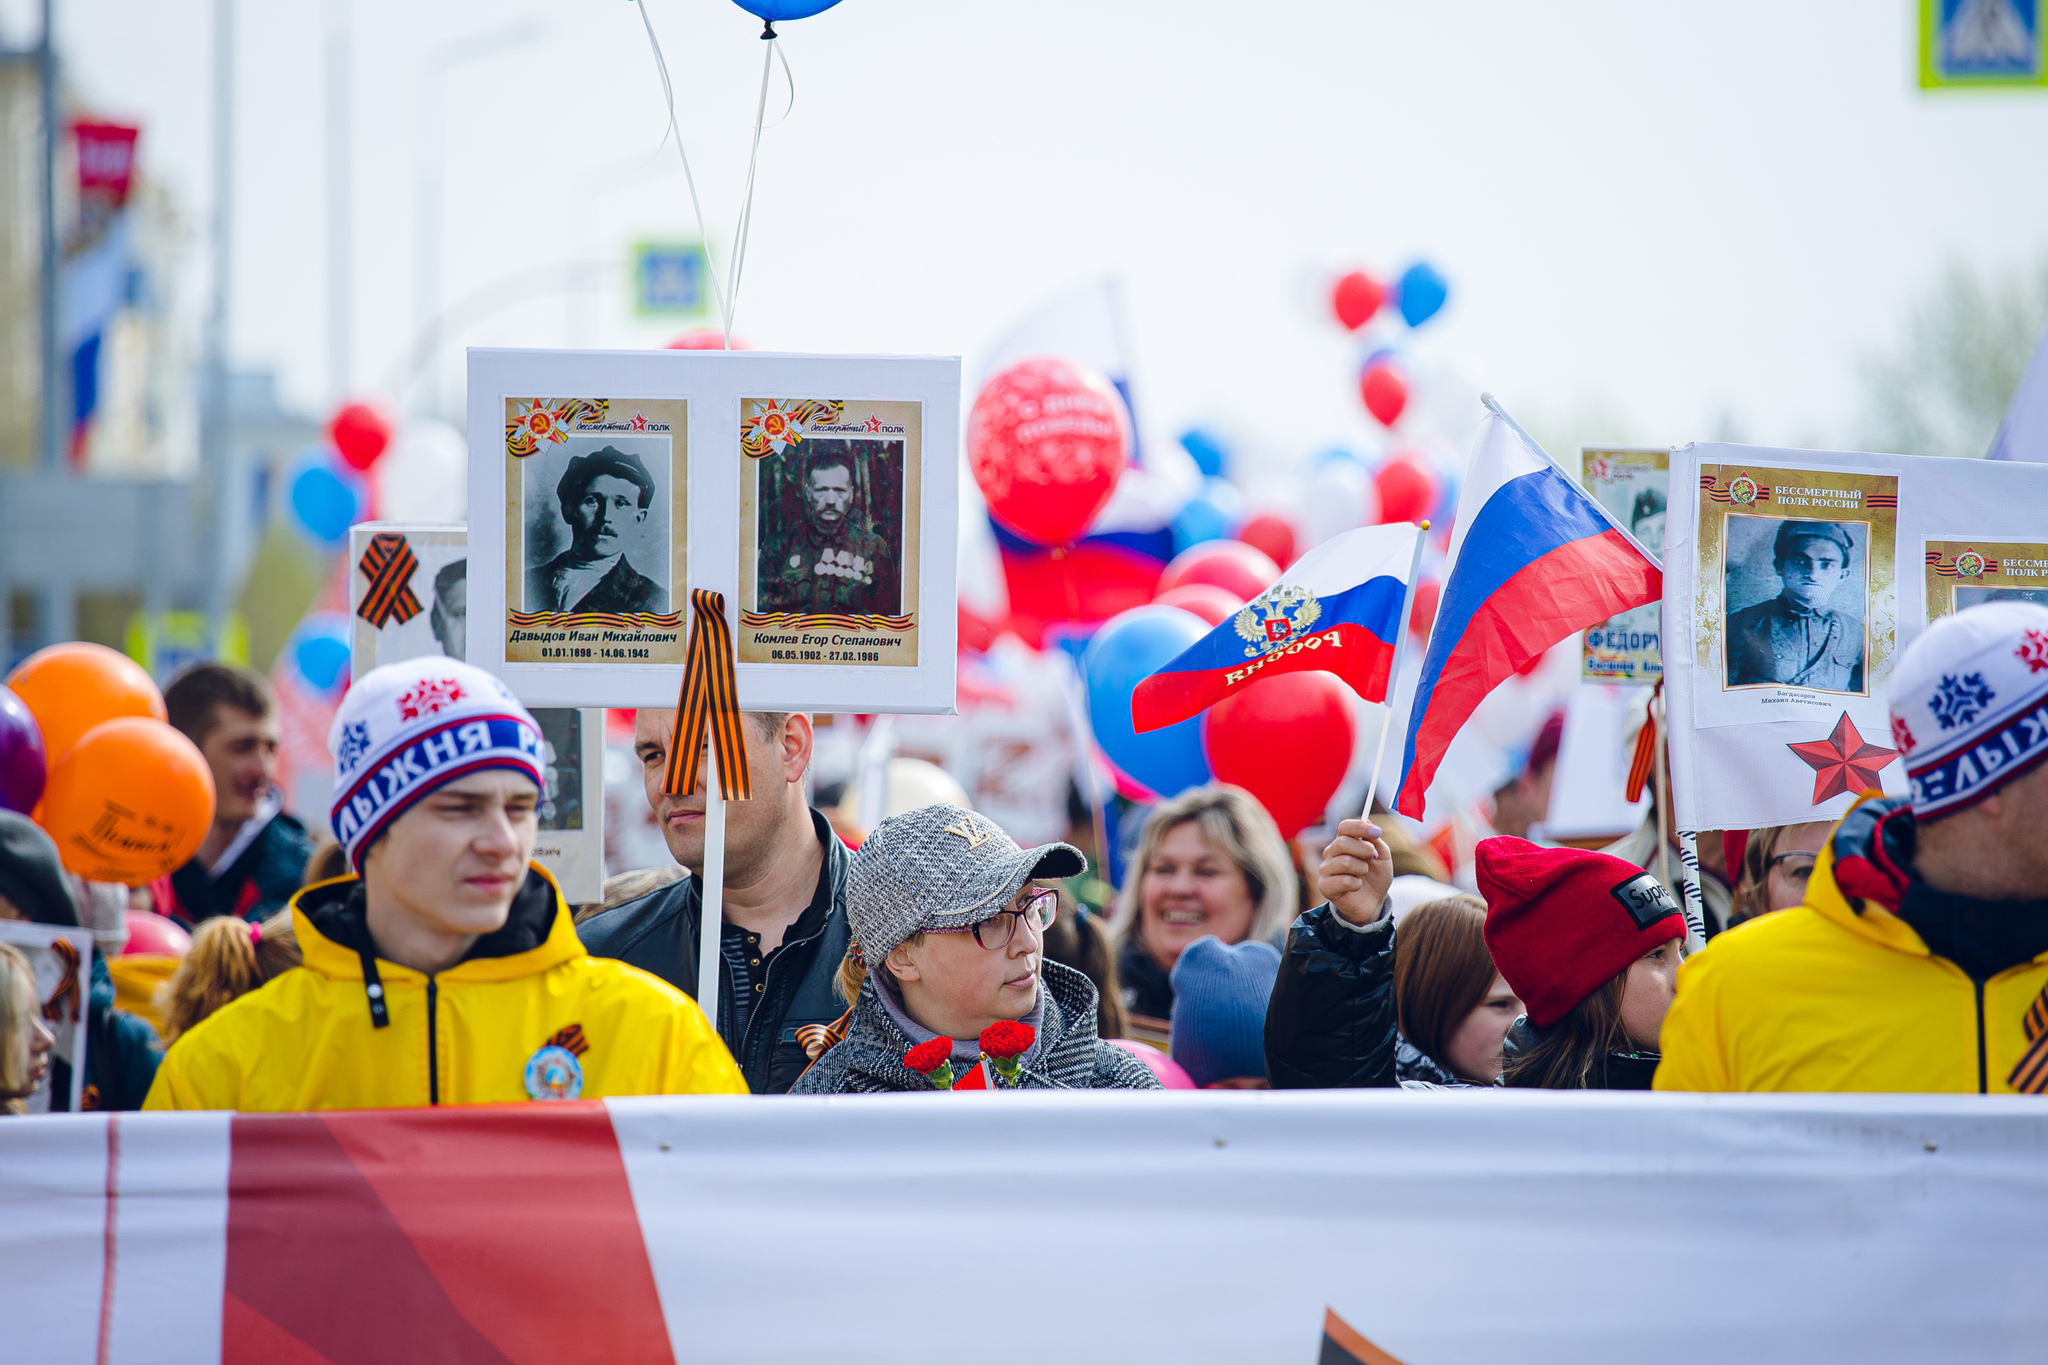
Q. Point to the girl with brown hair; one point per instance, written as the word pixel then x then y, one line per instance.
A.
pixel 228 958
pixel 1454 1007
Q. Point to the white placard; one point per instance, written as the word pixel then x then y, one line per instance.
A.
pixel 55 969
pixel 584 604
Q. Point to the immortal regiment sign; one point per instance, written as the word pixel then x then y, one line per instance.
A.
pixel 816 495
pixel 1783 566
pixel 1631 483
pixel 614 1234
pixel 409 598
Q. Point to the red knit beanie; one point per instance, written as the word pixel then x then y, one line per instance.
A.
pixel 1563 922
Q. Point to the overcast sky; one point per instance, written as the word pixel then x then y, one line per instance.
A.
pixel 1675 215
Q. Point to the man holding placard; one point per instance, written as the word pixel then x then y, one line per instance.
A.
pixel 784 912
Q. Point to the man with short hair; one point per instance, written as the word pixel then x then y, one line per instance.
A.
pixel 1798 638
pixel 1919 961
pixel 450 617
pixel 833 561
pixel 446 971
pixel 784 931
pixel 254 857
pixel 601 494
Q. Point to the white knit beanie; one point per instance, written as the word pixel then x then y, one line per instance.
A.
pixel 408 728
pixel 1969 704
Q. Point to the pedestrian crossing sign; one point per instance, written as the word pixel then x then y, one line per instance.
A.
pixel 1966 43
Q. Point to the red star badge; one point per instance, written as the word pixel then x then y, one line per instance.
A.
pixel 1843 762
pixel 874 424
pixel 639 422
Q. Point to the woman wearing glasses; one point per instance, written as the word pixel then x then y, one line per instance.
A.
pixel 949 916
pixel 1776 864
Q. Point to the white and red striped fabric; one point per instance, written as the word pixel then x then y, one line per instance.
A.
pixel 1185 1226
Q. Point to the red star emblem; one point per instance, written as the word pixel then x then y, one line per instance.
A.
pixel 639 422
pixel 2033 651
pixel 874 424
pixel 1843 762
pixel 428 697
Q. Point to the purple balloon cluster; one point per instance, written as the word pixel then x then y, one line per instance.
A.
pixel 22 766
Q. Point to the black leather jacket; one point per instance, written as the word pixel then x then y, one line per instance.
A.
pixel 658 933
pixel 1331 1022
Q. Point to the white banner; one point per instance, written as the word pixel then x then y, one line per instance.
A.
pixel 1793 579
pixel 1435 1228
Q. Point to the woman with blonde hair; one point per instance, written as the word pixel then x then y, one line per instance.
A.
pixel 25 1040
pixel 229 957
pixel 1211 861
pixel 1775 866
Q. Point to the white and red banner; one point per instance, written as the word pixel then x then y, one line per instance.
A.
pixel 1423 1228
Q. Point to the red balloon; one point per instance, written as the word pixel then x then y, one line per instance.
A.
pixel 1407 490
pixel 1356 298
pixel 1272 533
pixel 1213 604
pixel 1385 392
pixel 1230 565
pixel 149 932
pixel 705 339
pixel 360 433
pixel 1047 441
pixel 1091 582
pixel 1286 740
pixel 1421 616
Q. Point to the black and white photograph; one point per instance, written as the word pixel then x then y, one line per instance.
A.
pixel 597 525
pixel 830 528
pixel 561 732
pixel 1797 603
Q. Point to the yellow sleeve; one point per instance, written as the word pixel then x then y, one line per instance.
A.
pixel 698 1062
pixel 194 1075
pixel 1690 1039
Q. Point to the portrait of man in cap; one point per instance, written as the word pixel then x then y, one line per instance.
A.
pixel 1811 633
pixel 841 553
pixel 449 616
pixel 603 496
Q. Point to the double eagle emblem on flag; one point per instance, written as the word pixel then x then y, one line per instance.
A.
pixel 1276 617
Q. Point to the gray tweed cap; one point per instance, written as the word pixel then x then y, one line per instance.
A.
pixel 940 867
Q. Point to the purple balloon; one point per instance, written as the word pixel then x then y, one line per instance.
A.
pixel 21 754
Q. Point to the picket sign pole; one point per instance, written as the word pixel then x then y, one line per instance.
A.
pixel 711 916
pixel 1379 755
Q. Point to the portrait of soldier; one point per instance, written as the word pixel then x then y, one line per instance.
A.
pixel 830 558
pixel 1646 520
pixel 450 616
pixel 1798 638
pixel 603 495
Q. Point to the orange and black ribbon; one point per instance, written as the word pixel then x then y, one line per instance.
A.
pixel 2030 1077
pixel 1646 749
pixel 710 701
pixel 389 564
pixel 67 996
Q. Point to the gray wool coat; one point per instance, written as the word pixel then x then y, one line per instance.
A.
pixel 1069 1056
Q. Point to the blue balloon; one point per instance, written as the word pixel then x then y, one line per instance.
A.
pixel 776 11
pixel 324 502
pixel 1336 455
pixel 1130 647
pixel 1208 452
pixel 1209 515
pixel 1423 291
pixel 319 651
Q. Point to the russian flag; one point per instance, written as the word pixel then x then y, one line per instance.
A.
pixel 1533 558
pixel 1339 609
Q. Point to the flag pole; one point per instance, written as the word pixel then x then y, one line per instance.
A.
pixel 1379 756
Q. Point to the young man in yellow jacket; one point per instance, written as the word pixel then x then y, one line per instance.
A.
pixel 1919 961
pixel 447 971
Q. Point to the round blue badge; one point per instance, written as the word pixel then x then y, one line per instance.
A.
pixel 553 1073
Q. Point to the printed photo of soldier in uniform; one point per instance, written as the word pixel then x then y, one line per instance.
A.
pixel 830 529
pixel 1796 592
pixel 597 526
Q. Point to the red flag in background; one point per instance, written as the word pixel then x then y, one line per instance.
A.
pixel 106 158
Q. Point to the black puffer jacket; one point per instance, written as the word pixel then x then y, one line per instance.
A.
pixel 1068 1057
pixel 1331 1023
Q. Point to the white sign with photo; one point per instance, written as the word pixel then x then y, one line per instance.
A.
pixel 817 494
pixel 61 958
pixel 431 563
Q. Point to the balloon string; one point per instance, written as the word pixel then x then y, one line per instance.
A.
pixel 668 94
pixel 739 259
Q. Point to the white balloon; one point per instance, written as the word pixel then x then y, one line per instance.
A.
pixel 425 474
pixel 1338 496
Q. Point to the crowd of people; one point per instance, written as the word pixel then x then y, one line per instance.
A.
pixel 421 957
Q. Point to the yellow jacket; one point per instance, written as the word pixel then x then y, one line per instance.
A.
pixel 1824 997
pixel 540 1020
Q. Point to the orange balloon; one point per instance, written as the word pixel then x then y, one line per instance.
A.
pixel 74 686
pixel 131 802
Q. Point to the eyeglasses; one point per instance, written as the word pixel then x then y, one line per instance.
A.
pixel 1796 867
pixel 1040 907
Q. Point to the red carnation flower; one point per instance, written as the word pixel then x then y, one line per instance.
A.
pixel 1007 1038
pixel 933 1061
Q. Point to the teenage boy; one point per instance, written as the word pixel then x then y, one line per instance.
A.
pixel 784 930
pixel 253 858
pixel 446 971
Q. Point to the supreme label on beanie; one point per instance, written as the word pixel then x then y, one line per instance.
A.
pixel 1646 900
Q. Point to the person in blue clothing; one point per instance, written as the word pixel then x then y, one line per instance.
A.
pixel 121 1052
